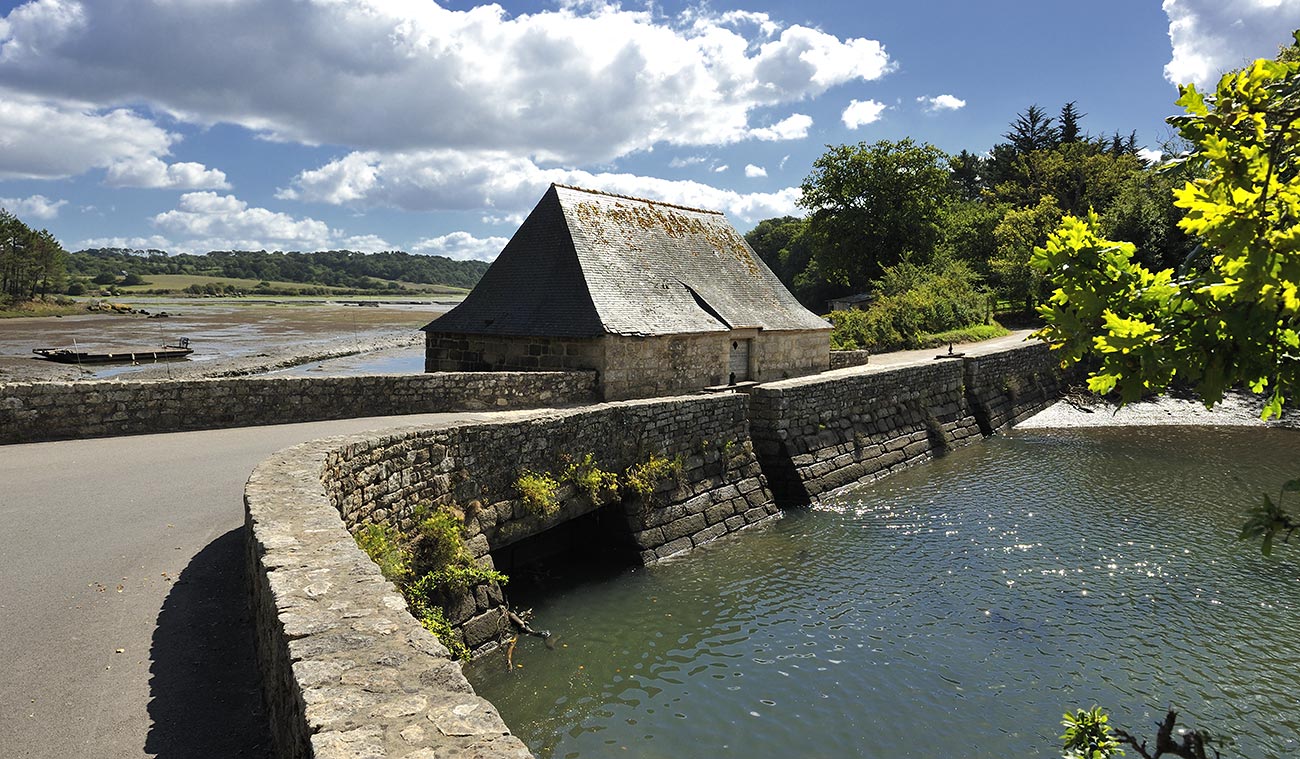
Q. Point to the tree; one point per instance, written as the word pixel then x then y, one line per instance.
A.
pixel 1231 315
pixel 31 262
pixel 1069 119
pixel 1033 130
pixel 1016 236
pixel 967 169
pixel 872 206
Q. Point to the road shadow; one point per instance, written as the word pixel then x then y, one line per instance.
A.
pixel 205 689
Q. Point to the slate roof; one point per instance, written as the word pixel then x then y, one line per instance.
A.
pixel 587 263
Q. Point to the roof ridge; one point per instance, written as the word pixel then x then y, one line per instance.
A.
pixel 639 200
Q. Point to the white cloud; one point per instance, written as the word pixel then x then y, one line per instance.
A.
pixel 1209 37
pixel 753 171
pixel 49 140
pixel 33 207
pixel 148 171
pixel 584 83
pixel 793 127
pixel 720 169
pixel 862 112
pixel 682 162
pixel 461 246
pixel 942 103
pixel 366 243
pixel 1149 155
pixel 502 184
pixel 207 221
pixel 152 242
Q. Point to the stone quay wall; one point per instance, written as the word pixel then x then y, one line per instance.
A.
pixel 1006 388
pixel 39 411
pixel 349 672
pixel 818 434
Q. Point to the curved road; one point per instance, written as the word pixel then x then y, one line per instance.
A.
pixel 123 625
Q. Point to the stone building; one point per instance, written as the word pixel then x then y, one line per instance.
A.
pixel 657 298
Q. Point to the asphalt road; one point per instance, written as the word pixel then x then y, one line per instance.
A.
pixel 123 622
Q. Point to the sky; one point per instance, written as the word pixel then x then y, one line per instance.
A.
pixel 196 125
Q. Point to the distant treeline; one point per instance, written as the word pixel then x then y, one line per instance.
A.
pixel 333 268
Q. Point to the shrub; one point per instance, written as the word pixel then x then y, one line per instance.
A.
pixel 911 301
pixel 384 545
pixel 590 480
pixel 540 492
pixel 644 477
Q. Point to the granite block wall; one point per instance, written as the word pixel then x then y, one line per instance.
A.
pixel 37 411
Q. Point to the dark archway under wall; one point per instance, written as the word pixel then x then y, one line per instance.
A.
pixel 595 545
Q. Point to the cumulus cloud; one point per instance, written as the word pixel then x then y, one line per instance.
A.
pixel 753 171
pixel 862 112
pixel 941 103
pixel 461 246
pixel 152 242
pixel 1149 155
pixel 794 127
pixel 586 82
pixel 207 221
pixel 148 171
pixel 1209 37
pixel 47 140
pixel 33 207
pixel 452 180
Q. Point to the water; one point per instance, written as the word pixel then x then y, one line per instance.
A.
pixel 956 609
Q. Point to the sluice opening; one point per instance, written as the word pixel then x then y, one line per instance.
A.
pixel 596 546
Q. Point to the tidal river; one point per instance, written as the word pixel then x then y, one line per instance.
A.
pixel 952 610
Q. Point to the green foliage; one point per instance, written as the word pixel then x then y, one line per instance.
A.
pixel 913 301
pixel 420 596
pixel 1087 735
pixel 539 491
pixel 333 268
pixel 590 480
pixel 1231 315
pixel 31 261
pixel 1266 521
pixel 1016 236
pixel 385 546
pixel 644 477
pixel 873 205
pixel 431 570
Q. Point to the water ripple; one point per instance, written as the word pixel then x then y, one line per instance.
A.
pixel 954 609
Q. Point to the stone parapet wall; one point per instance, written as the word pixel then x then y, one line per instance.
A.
pixel 845 359
pixel 38 411
pixel 818 434
pixel 348 672
pixel 720 488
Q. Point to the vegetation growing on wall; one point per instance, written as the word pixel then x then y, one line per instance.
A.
pixel 540 491
pixel 432 569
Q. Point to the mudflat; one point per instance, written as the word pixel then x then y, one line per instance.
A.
pixel 229 336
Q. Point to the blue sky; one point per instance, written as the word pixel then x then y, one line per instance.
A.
pixel 191 125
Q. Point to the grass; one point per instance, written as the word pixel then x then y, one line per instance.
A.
pixel 972 334
pixel 40 308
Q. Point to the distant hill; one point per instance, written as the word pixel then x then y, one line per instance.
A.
pixel 332 268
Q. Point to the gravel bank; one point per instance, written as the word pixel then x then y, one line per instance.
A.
pixel 1085 410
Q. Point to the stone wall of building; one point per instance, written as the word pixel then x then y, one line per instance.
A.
pixel 347 668
pixel 491 353
pixel 782 355
pixel 37 411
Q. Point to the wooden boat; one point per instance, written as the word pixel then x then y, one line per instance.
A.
pixel 130 356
